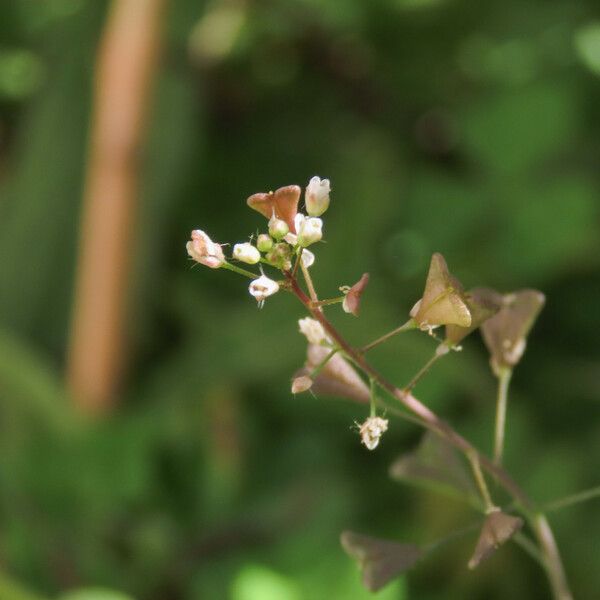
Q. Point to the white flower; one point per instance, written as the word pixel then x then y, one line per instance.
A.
pixel 203 250
pixel 316 196
pixel 262 288
pixel 291 239
pixel 372 430
pixel 308 258
pixel 308 229
pixel 247 253
pixel 313 331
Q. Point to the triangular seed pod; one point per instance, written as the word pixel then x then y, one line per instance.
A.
pixel 283 202
pixel 483 304
pixel 498 527
pixel 336 378
pixel 506 332
pixel 434 464
pixel 380 560
pixel 443 301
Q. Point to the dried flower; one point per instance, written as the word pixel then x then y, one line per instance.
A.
pixel 372 430
pixel 317 196
pixel 262 288
pixel 308 229
pixel 247 253
pixel 443 301
pixel 264 242
pixel 351 302
pixel 506 332
pixel 203 250
pixel 313 331
pixel 283 203
pixel 301 384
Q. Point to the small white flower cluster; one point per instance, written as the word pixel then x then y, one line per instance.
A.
pixel 372 430
pixel 289 235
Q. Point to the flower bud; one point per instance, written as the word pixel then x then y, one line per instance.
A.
pixel 247 253
pixel 264 242
pixel 203 250
pixel 372 430
pixel 301 384
pixel 309 230
pixel 280 256
pixel 278 228
pixel 317 196
pixel 262 288
pixel 313 331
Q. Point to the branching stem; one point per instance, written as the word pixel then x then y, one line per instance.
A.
pixel 574 499
pixel 424 369
pixel 480 480
pixel 408 326
pixel 432 422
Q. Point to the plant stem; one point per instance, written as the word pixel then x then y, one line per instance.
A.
pixel 413 382
pixel 574 499
pixel 239 270
pixel 373 388
pixel 501 402
pixel 480 480
pixel 311 289
pixel 408 326
pixel 432 422
pixel 529 547
pixel 552 559
pixel 329 301
pixel 297 261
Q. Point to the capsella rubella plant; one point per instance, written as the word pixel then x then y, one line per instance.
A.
pixel 335 367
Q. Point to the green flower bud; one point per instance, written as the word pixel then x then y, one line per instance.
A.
pixel 264 242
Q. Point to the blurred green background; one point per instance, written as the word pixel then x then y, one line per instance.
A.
pixel 468 128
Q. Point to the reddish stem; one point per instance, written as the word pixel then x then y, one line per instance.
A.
pixel 432 421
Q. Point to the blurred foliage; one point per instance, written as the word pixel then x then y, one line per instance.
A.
pixel 467 128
